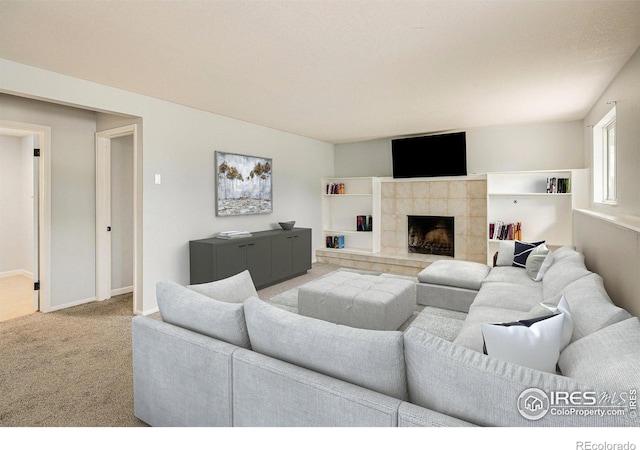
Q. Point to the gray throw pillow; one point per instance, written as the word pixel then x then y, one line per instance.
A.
pixel 505 253
pixel 188 309
pixel 235 289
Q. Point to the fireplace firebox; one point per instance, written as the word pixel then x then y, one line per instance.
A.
pixel 431 235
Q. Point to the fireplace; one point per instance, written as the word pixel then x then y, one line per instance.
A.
pixel 431 235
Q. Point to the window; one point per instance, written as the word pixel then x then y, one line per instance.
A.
pixel 604 159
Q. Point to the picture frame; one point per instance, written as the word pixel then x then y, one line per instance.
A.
pixel 243 184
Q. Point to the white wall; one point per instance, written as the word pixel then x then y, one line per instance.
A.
pixel 16 204
pixel 73 193
pixel 122 212
pixel 179 144
pixel 536 146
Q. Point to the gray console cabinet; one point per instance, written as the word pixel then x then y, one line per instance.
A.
pixel 270 256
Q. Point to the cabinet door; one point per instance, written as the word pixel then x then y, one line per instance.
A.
pixel 281 252
pixel 301 254
pixel 202 258
pixel 259 261
pixel 231 259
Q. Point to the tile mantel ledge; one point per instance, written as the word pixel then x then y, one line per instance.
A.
pixel 624 221
pixel 472 177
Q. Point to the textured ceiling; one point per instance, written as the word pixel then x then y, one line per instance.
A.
pixel 339 71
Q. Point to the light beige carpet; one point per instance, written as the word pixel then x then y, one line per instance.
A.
pixel 73 367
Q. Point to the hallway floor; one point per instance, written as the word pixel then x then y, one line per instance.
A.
pixel 16 297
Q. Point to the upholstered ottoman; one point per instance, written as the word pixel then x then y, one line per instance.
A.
pixel 361 301
pixel 450 284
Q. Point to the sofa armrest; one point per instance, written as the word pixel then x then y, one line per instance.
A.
pixel 180 378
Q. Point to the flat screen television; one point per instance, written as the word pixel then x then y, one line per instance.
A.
pixel 437 155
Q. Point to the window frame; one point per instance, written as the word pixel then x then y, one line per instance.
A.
pixel 605 177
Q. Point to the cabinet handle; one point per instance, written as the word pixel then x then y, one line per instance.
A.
pixel 240 246
pixel 290 237
pixel 251 245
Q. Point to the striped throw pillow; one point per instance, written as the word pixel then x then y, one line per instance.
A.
pixel 521 252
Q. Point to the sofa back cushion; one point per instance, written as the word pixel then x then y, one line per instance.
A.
pixel 561 273
pixel 196 312
pixel 368 358
pixel 477 388
pixel 609 358
pixel 235 289
pixel 591 307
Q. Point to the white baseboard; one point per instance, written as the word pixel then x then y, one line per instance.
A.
pixel 122 290
pixel 149 311
pixel 16 273
pixel 70 304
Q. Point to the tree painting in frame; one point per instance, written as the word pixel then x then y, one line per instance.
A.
pixel 243 184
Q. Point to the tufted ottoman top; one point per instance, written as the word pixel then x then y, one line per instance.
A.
pixel 362 301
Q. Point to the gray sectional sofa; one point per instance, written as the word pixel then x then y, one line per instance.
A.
pixel 220 363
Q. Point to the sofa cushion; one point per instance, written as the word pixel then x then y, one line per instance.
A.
pixel 462 274
pixel 562 272
pixel 533 343
pixel 235 289
pixel 565 251
pixel 470 336
pixel 591 307
pixel 609 358
pixel 521 252
pixel 509 274
pixel 509 295
pixel 369 358
pixel 470 386
pixel 196 312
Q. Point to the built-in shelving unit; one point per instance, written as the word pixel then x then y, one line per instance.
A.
pixel 522 197
pixel 339 212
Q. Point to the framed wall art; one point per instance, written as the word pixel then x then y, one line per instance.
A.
pixel 243 184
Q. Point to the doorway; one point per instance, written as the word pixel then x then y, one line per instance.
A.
pixel 25 219
pixel 116 221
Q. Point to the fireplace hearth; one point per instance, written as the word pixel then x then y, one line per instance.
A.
pixel 431 235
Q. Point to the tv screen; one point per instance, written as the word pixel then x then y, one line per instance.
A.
pixel 437 155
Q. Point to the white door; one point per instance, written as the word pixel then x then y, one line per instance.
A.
pixel 104 233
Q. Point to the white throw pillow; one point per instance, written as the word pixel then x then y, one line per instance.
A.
pixel 235 289
pixel 533 343
pixel 563 307
pixel 535 260
pixel 505 253
pixel 548 261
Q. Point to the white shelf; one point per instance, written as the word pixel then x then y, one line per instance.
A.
pixel 529 194
pixel 347 195
pixel 361 198
pixel 521 197
pixel 345 232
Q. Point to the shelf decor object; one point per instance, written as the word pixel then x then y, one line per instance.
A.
pixel 243 184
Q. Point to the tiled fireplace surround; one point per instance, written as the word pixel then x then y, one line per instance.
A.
pixel 465 200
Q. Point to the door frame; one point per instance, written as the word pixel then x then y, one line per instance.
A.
pixel 103 213
pixel 44 207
